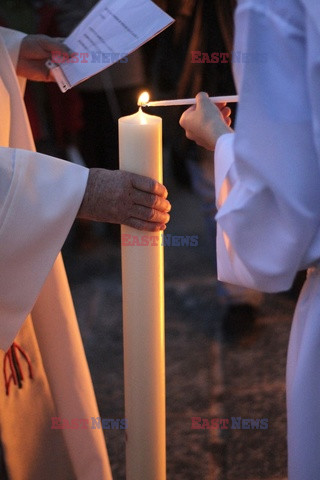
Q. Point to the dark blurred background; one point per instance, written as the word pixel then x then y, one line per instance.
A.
pixel 225 346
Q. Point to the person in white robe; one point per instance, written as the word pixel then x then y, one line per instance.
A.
pixel 267 178
pixel 45 377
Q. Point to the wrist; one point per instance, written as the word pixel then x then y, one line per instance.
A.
pixel 223 130
pixel 86 210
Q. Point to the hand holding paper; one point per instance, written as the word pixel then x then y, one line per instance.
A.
pixel 34 51
pixel 111 31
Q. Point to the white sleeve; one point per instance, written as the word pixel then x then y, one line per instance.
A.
pixel 269 193
pixel 12 40
pixel 40 198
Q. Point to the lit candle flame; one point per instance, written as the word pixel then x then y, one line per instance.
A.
pixel 143 99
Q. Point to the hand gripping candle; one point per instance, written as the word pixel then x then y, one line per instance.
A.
pixel 140 150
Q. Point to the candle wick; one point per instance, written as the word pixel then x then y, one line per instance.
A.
pixel 143 99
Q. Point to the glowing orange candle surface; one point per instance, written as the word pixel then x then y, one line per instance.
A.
pixel 140 150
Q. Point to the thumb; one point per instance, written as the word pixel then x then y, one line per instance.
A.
pixel 50 44
pixel 201 98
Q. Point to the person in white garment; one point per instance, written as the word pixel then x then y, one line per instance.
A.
pixel 44 374
pixel 267 178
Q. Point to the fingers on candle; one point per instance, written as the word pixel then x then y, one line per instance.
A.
pixel 149 214
pixel 146 226
pixel 151 200
pixel 147 184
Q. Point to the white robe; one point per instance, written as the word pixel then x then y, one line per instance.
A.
pixel 39 199
pixel 268 192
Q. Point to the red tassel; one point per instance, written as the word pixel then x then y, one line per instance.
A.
pixel 16 374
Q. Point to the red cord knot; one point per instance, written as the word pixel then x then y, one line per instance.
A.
pixel 12 363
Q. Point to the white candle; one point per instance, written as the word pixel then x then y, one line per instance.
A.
pixel 140 149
